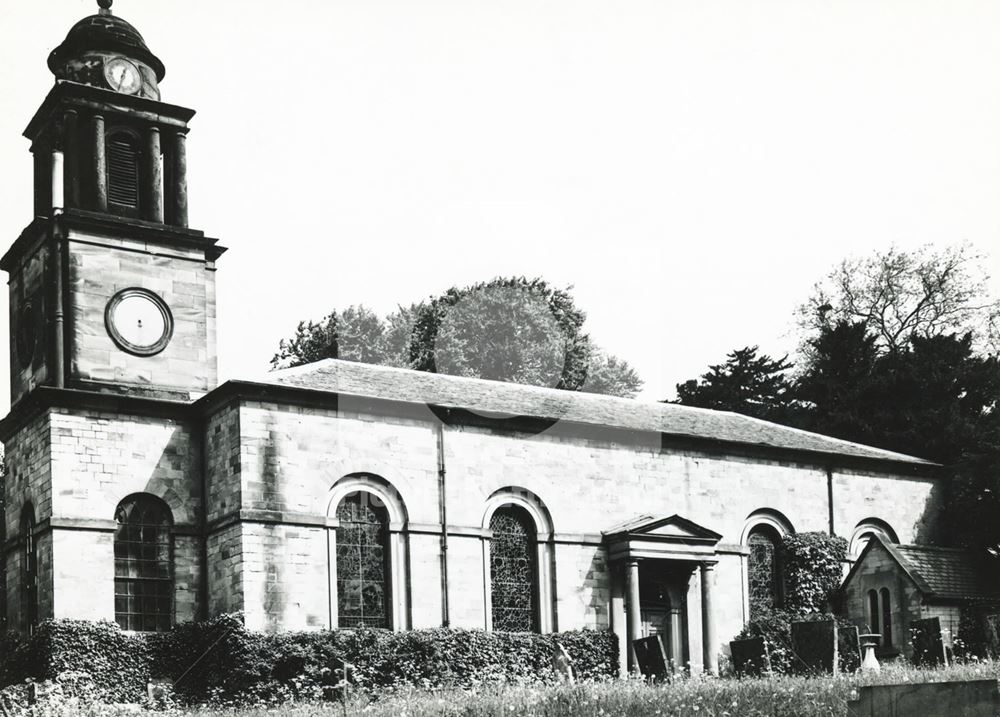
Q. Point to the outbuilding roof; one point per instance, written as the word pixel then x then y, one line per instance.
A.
pixel 511 399
pixel 951 574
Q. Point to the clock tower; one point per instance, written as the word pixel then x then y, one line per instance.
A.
pixel 112 321
pixel 110 289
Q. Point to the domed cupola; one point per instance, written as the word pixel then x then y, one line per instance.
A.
pixel 105 51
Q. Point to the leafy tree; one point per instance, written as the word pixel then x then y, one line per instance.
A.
pixel 900 294
pixel 749 383
pixel 611 376
pixel 508 329
pixel 354 334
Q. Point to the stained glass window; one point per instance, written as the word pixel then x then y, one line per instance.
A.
pixel 362 562
pixel 29 569
pixel 513 573
pixel 764 571
pixel 144 571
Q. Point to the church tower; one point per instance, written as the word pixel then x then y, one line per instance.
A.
pixel 110 290
pixel 112 338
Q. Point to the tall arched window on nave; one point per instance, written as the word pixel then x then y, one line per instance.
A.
pixel 363 562
pixel 764 569
pixel 513 571
pixel 144 569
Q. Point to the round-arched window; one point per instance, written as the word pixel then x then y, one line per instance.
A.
pixel 362 562
pixel 144 564
pixel 513 571
pixel 764 569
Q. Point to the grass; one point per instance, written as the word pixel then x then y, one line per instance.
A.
pixel 691 697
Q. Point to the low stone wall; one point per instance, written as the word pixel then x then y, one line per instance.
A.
pixel 978 698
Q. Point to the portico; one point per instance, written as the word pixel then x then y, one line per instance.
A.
pixel 663 581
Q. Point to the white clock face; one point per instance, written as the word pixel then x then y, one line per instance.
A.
pixel 139 322
pixel 123 76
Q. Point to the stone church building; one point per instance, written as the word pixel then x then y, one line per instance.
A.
pixel 340 494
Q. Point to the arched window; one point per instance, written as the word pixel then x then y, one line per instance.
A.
pixel 874 619
pixel 764 569
pixel 29 569
pixel 144 571
pixel 513 571
pixel 886 617
pixel 363 562
pixel 123 171
pixel 864 531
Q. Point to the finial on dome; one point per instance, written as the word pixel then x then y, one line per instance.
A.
pixel 105 6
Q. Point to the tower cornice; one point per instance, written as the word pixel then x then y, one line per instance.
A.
pixel 69 95
pixel 113 226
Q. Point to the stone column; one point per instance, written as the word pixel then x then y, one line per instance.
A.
pixel 100 168
pixel 619 623
pixel 155 176
pixel 180 181
pixel 634 616
pixel 71 148
pixel 709 647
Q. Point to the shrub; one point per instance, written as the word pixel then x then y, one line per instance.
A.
pixel 813 570
pixel 221 660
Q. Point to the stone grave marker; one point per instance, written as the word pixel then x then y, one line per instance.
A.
pixel 815 645
pixel 849 648
pixel 562 664
pixel 650 656
pixel 750 656
pixel 928 643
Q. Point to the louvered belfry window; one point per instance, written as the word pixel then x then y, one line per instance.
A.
pixel 144 571
pixel 362 562
pixel 513 571
pixel 123 170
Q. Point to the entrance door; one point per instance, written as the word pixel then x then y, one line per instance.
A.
pixel 662 609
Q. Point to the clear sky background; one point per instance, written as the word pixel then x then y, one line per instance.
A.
pixel 690 168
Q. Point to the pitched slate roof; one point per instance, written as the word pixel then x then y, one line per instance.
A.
pixel 951 573
pixel 495 397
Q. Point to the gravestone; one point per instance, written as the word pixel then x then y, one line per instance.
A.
pixel 750 656
pixel 992 637
pixel 650 656
pixel 928 643
pixel 849 648
pixel 815 645
pixel 562 664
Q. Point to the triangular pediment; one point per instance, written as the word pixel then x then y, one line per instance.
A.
pixel 673 527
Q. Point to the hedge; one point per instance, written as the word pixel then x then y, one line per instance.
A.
pixel 220 660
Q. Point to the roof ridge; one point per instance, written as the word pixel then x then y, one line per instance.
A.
pixel 486 396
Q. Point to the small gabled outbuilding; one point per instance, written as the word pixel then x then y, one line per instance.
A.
pixel 890 586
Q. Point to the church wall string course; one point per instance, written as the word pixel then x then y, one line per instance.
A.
pixel 340 494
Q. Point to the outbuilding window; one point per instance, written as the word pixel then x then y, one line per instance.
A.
pixel 513 570
pixel 144 571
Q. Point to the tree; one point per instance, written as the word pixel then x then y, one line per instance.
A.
pixel 354 334
pixel 611 376
pixel 747 383
pixel 900 294
pixel 509 329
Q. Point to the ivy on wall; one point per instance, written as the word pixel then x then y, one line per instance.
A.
pixel 813 568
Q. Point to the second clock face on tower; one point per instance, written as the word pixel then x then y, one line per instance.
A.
pixel 139 322
pixel 123 75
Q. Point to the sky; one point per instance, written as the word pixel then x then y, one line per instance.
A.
pixel 690 168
